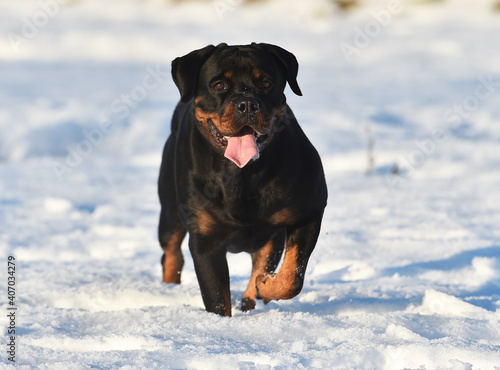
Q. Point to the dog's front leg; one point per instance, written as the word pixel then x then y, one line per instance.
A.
pixel 288 282
pixel 264 261
pixel 213 275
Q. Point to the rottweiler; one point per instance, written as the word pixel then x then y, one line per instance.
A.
pixel 239 174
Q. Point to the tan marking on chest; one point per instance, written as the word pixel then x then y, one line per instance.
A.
pixel 206 222
pixel 285 216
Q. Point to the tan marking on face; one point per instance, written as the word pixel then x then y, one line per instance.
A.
pixel 257 74
pixel 197 100
pixel 203 118
pixel 228 74
pixel 224 124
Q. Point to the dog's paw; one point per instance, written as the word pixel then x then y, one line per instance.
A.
pixel 264 286
pixel 273 287
pixel 247 304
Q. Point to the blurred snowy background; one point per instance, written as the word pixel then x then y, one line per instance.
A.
pixel 401 98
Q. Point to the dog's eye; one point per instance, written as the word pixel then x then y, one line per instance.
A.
pixel 219 86
pixel 266 84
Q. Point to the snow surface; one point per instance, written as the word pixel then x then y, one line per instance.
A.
pixel 406 273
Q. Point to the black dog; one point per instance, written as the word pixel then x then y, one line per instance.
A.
pixel 239 174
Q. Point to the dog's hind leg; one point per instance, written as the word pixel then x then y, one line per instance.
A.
pixel 171 230
pixel 172 260
pixel 264 261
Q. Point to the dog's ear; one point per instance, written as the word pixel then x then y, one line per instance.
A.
pixel 288 60
pixel 185 71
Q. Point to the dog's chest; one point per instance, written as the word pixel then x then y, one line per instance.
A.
pixel 253 202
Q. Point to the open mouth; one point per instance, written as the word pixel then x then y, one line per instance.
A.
pixel 241 147
pixel 222 140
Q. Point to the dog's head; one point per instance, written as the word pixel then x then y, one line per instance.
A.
pixel 237 92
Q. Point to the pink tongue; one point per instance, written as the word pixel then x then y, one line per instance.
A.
pixel 241 148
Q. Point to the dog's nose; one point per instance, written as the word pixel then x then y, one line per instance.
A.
pixel 247 105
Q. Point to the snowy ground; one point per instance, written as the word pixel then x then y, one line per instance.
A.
pixel 406 273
